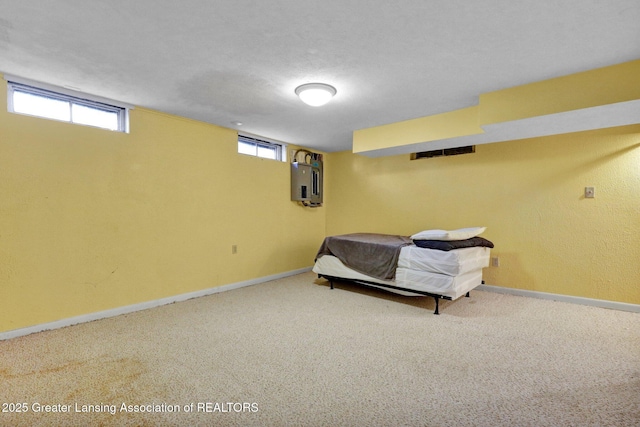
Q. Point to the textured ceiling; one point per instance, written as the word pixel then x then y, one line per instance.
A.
pixel 239 61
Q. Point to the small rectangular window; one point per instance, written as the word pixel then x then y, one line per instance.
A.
pixel 48 104
pixel 260 148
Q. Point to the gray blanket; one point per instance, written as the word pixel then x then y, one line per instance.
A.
pixel 375 255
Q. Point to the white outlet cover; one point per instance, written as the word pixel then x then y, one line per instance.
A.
pixel 589 192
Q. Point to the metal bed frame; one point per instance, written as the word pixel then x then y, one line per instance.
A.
pixel 436 297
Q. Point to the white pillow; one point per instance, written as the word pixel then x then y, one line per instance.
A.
pixel 459 234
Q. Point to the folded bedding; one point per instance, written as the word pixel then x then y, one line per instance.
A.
pixel 449 245
pixel 373 254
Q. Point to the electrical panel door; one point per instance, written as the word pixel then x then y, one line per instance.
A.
pixel 306 182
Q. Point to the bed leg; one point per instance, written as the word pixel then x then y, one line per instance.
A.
pixel 331 283
pixel 437 305
pixel 467 295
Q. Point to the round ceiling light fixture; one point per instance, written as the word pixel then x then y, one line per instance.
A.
pixel 315 94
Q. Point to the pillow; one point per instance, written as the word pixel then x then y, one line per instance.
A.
pixel 444 235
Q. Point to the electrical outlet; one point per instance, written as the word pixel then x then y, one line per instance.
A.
pixel 234 249
pixel 589 192
pixel 495 261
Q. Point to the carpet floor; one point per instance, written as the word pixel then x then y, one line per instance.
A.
pixel 292 352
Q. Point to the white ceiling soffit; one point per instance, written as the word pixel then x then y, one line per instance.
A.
pixel 230 61
pixel 600 117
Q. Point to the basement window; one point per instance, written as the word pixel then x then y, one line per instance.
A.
pixel 261 148
pixel 73 108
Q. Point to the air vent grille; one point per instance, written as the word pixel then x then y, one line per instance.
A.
pixel 444 152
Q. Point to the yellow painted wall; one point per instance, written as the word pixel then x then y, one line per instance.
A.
pixel 592 88
pixel 530 195
pixel 92 220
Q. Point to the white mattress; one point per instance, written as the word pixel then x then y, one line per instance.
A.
pixel 406 278
pixel 451 263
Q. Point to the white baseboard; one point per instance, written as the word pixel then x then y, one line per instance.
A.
pixel 635 308
pixel 143 306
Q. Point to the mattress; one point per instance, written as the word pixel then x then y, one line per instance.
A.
pixel 451 263
pixel 406 278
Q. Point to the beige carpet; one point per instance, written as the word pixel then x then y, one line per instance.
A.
pixel 293 353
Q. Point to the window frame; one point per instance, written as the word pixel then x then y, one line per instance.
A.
pixel 280 148
pixel 72 98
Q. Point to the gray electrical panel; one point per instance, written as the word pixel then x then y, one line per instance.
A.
pixel 306 182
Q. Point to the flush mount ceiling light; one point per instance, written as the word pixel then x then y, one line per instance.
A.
pixel 315 94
